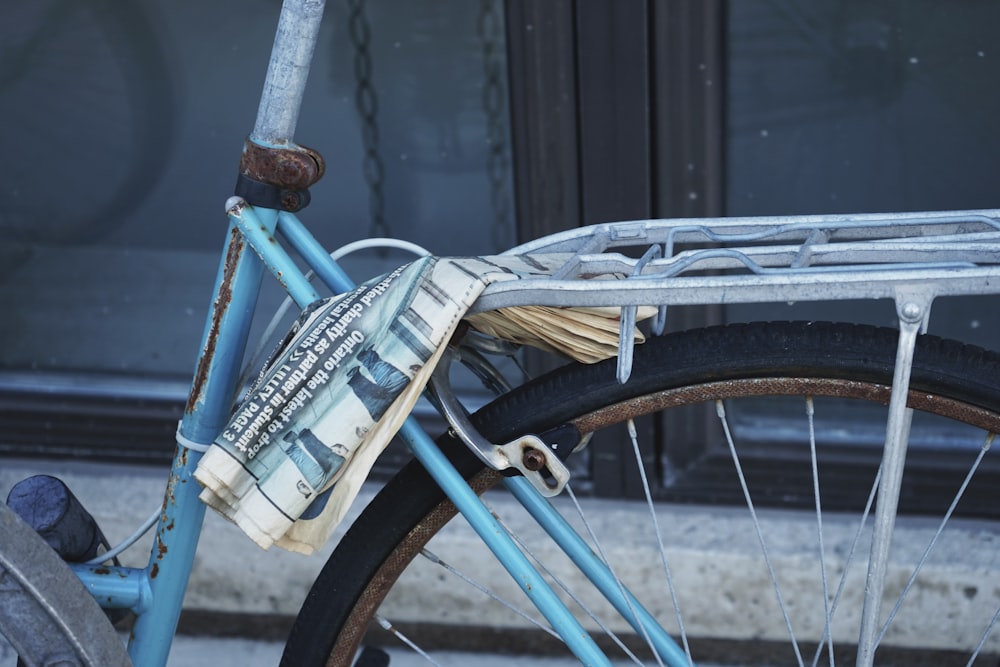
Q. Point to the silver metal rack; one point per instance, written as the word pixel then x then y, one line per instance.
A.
pixel 768 259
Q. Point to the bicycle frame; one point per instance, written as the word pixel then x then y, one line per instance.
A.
pixel 155 592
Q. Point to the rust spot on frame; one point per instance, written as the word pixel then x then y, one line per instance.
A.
pixel 153 571
pixel 219 308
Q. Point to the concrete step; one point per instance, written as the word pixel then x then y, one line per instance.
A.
pixel 728 595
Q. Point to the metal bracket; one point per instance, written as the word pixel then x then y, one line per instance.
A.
pixel 528 454
pixel 278 177
pixel 626 328
pixel 913 309
pixel 913 306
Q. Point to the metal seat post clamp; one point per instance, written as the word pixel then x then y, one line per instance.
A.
pixel 278 177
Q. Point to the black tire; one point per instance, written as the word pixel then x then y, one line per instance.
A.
pixel 948 377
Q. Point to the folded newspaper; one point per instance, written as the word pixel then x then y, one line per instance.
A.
pixel 298 447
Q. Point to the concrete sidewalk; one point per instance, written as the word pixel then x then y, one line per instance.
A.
pixel 202 652
pixel 217 652
pixel 728 595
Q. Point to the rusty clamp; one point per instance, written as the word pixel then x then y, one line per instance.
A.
pixel 278 177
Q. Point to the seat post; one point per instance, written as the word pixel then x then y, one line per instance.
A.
pixel 287 71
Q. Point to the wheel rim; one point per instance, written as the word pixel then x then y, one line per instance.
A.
pixel 873 392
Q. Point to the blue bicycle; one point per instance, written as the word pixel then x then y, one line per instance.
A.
pixel 644 582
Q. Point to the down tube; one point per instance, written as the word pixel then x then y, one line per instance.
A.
pixel 454 486
pixel 596 571
pixel 501 544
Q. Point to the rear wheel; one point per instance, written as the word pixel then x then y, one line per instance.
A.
pixel 737 580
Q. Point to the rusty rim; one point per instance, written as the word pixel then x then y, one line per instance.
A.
pixel 357 624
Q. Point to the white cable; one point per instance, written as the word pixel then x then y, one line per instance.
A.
pixel 127 542
pixel 366 244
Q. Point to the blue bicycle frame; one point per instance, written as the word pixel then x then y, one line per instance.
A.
pixel 155 592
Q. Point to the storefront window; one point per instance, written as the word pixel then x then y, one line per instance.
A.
pixel 853 105
pixel 122 128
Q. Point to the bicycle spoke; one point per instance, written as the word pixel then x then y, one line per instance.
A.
pixel 437 560
pixel 721 413
pixel 811 415
pixel 568 591
pixel 614 574
pixel 434 558
pixel 828 636
pixel 634 437
pixel 987 443
pixel 389 627
pixel 982 641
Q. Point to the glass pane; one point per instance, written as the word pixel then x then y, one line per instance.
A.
pixel 123 123
pixel 849 105
pixel 864 105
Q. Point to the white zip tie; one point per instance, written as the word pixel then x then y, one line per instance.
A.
pixel 183 441
pixel 187 443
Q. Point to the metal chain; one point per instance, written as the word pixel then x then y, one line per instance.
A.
pixel 366 102
pixel 491 30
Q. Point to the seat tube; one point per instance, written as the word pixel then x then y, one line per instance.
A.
pixel 223 345
pixel 206 413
